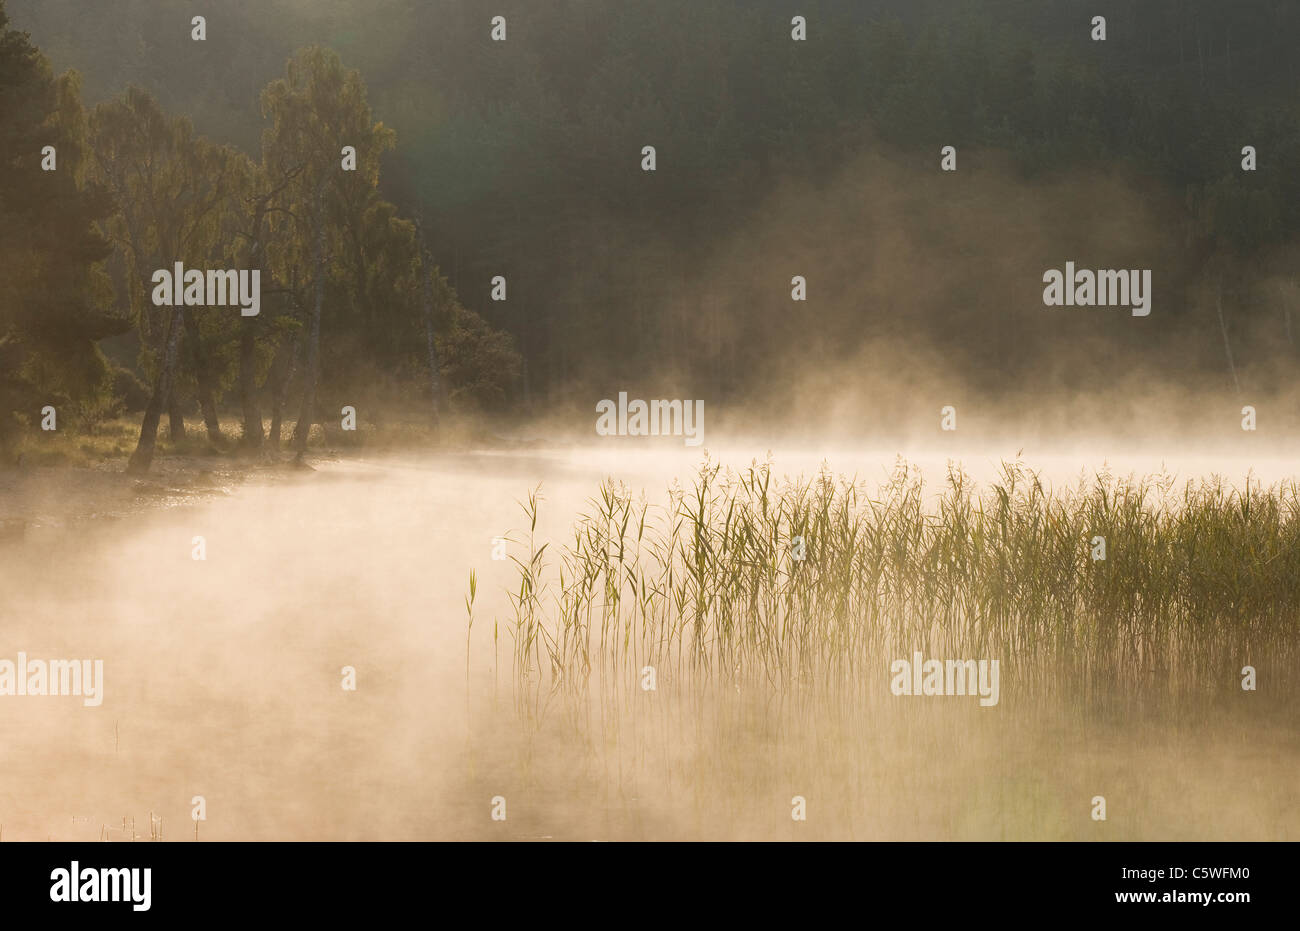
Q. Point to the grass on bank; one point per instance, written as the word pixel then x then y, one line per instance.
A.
pixel 113 440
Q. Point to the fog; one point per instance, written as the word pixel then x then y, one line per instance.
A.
pixel 222 679
pixel 838 253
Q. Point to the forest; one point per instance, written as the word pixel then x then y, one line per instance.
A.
pixel 518 162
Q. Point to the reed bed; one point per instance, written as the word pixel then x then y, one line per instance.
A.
pixel 771 673
pixel 708 588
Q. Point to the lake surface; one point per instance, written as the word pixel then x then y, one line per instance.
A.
pixel 223 676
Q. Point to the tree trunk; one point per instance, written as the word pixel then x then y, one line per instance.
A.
pixel 284 367
pixel 302 430
pixel 170 401
pixel 1223 328
pixel 252 438
pixel 175 417
pixel 142 458
pixel 207 390
pixel 278 391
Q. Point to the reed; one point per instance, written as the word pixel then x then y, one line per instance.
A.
pixel 707 586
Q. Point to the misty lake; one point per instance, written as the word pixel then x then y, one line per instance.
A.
pixel 222 678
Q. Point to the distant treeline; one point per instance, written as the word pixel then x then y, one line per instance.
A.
pixel 779 158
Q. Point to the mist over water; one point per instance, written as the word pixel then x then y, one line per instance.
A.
pixel 828 245
pixel 222 679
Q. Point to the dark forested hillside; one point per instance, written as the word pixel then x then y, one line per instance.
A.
pixel 780 158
